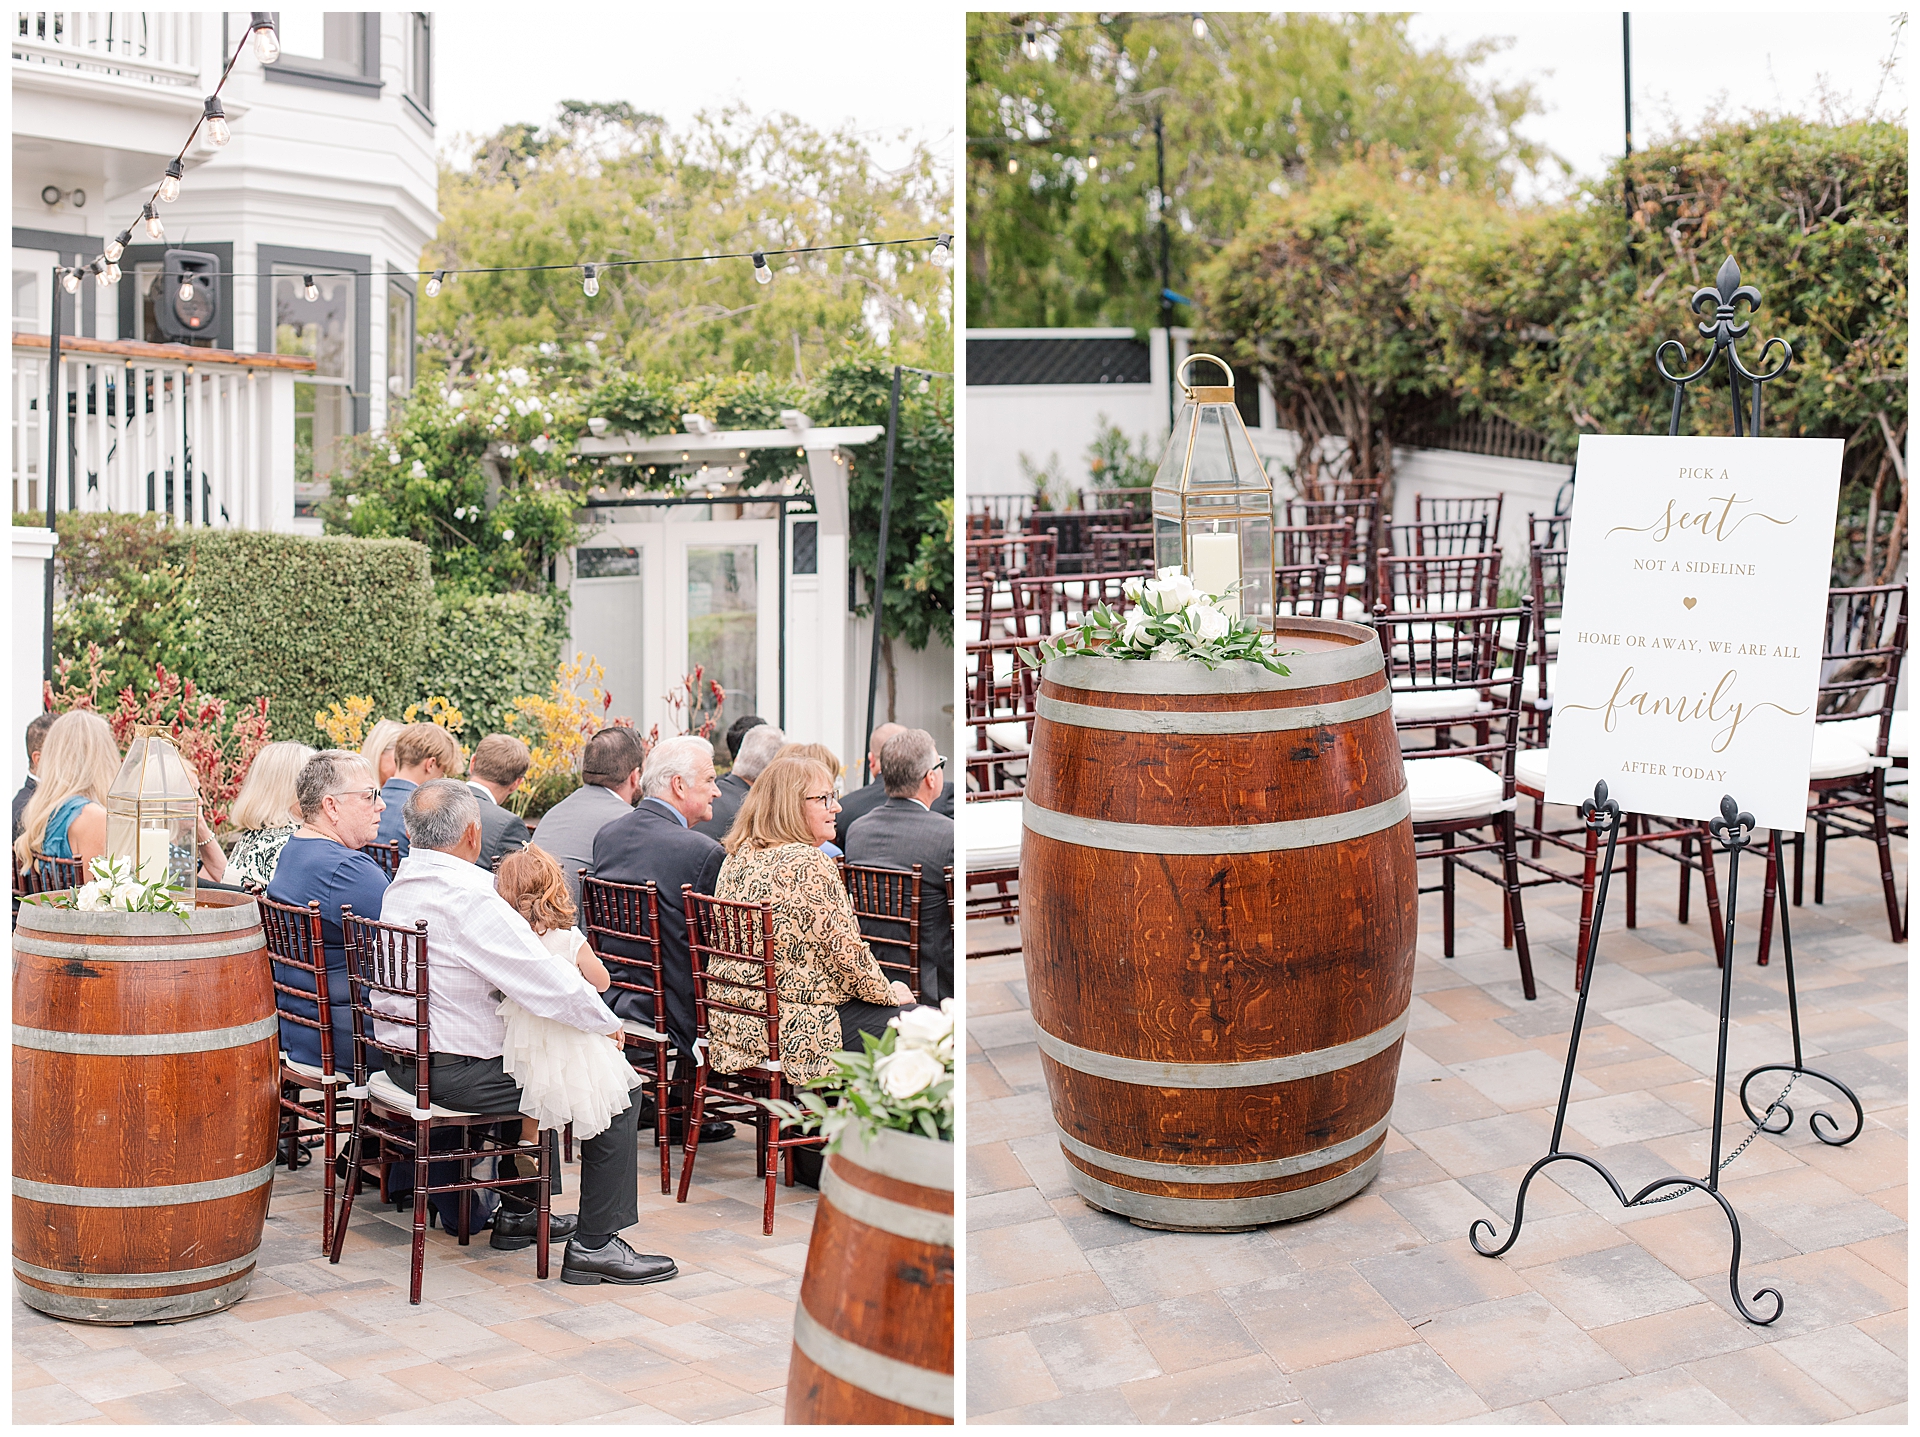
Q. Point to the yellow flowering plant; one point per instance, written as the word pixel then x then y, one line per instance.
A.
pixel 556 727
pixel 345 725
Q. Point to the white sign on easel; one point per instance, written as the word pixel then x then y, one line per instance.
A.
pixel 1690 637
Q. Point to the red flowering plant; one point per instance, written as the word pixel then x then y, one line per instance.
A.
pixel 219 749
pixel 687 706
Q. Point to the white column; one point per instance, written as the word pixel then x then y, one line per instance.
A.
pixel 31 550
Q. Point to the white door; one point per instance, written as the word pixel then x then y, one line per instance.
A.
pixel 720 616
pixel 609 621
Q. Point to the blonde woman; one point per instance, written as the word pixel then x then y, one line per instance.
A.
pixel 829 984
pixel 830 761
pixel 377 750
pixel 67 817
pixel 265 814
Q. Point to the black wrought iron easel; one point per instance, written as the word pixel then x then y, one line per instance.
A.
pixel 1734 829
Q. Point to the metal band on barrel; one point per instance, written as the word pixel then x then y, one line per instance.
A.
pixel 902 1156
pixel 1307 671
pixel 137 1279
pixel 145 1045
pixel 1224 1212
pixel 1196 722
pixel 1145 1073
pixel 916 1224
pixel 83 1308
pixel 1168 838
pixel 870 1371
pixel 1225 1172
pixel 66 1196
pixel 25 941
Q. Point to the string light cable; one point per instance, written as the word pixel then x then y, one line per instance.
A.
pixel 263 35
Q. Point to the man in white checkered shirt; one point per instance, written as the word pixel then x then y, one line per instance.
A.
pixel 479 950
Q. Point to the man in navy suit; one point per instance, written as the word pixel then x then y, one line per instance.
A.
pixel 656 843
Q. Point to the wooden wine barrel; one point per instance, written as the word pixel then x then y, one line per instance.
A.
pixel 145 1104
pixel 873 1332
pixel 1218 912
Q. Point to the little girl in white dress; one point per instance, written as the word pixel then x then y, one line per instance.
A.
pixel 565 1075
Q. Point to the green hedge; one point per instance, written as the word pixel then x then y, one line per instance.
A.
pixel 308 621
pixel 485 650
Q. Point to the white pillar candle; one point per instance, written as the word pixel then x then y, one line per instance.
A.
pixel 152 864
pixel 1216 566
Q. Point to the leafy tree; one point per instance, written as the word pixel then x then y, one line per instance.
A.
pixel 1060 159
pixel 605 182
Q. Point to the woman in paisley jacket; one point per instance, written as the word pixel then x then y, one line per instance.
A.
pixel 829 984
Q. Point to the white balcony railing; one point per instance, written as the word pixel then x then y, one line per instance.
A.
pixel 204 435
pixel 155 47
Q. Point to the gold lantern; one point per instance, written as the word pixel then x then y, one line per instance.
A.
pixel 1213 501
pixel 153 815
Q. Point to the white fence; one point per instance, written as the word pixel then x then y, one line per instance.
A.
pixel 159 47
pixel 208 440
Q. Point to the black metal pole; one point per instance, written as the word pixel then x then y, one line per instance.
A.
pixel 1626 79
pixel 1166 271
pixel 780 571
pixel 55 404
pixel 880 563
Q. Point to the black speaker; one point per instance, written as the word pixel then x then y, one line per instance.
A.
pixel 197 315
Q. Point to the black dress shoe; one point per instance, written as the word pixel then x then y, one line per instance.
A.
pixel 616 1262
pixel 515 1230
pixel 714 1130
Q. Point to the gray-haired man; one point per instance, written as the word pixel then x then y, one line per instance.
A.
pixel 482 949
pixel 904 831
pixel 757 748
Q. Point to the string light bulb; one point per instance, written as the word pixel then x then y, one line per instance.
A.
pixel 112 273
pixel 170 186
pixel 98 270
pixel 942 249
pixel 433 284
pixel 1013 167
pixel 309 288
pixel 1030 40
pixel 214 116
pixel 70 280
pixel 186 289
pixel 1093 162
pixel 1199 27
pixel 155 230
pixel 590 283
pixel 117 246
pixel 266 39
pixel 762 271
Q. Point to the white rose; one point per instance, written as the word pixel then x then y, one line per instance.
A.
pixel 1179 591
pixel 907 1071
pixel 90 897
pixel 393 456
pixel 1167 653
pixel 1137 621
pixel 922 1027
pixel 506 534
pixel 1210 623
pixel 419 470
pixel 1170 572
pixel 1132 589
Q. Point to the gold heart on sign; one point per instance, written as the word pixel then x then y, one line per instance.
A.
pixel 1689 602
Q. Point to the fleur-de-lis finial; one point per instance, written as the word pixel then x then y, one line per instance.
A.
pixel 1725 328
pixel 1723 298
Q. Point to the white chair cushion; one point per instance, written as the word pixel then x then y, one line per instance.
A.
pixel 1008 735
pixel 1865 731
pixel 1411 705
pixel 1443 788
pixel 1530 768
pixel 310 1071
pixel 383 1089
pixel 638 1029
pixel 1837 756
pixel 992 830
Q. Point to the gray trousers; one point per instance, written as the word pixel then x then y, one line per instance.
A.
pixel 609 1162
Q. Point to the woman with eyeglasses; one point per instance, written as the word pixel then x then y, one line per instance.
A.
pixel 829 985
pixel 339 812
pixel 830 761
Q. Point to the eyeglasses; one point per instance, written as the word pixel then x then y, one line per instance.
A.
pixel 825 800
pixel 369 794
pixel 938 764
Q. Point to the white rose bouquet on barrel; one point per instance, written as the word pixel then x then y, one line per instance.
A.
pixel 903 1081
pixel 1170 620
pixel 114 887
